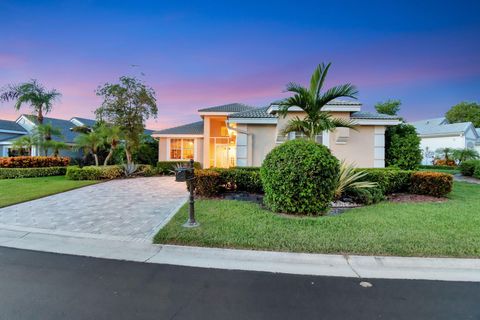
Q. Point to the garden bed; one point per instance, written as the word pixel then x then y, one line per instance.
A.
pixel 447 229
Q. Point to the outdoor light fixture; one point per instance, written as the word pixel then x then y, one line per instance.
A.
pixel 187 174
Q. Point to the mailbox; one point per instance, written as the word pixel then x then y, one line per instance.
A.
pixel 183 174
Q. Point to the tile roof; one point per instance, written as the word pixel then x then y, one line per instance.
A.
pixel 11 126
pixel 372 115
pixel 434 122
pixel 232 107
pixel 63 125
pixel 253 113
pixel 432 129
pixel 12 136
pixel 339 102
pixel 191 128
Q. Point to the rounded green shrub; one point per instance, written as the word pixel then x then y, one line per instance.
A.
pixel 299 177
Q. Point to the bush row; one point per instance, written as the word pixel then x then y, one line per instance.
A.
pixel 470 168
pixel 94 173
pixel 432 167
pixel 389 180
pixel 168 167
pixel 14 173
pixel 33 162
pixel 431 183
pixel 212 182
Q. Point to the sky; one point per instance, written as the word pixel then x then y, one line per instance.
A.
pixel 197 54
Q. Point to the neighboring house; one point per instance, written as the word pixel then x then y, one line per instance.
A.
pixel 240 135
pixel 439 133
pixel 25 124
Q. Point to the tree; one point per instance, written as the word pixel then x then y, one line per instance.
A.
pixel 445 153
pixel 464 112
pixel 43 134
pixel 128 105
pixel 390 107
pixel 32 93
pixel 111 136
pixel 465 154
pixel 312 100
pixel 25 142
pixel 90 143
pixel 402 147
pixel 147 152
pixel 56 146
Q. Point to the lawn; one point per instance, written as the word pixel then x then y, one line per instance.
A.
pixel 450 171
pixel 19 190
pixel 450 229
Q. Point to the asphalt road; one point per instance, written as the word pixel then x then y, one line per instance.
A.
pixel 37 285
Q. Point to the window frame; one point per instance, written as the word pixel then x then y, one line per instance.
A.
pixel 181 149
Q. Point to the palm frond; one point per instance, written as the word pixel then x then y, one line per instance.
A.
pixel 349 178
pixel 318 78
pixel 297 125
pixel 342 91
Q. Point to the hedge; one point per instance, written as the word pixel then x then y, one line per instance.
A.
pixel 432 167
pixel 207 183
pixel 168 167
pixel 467 167
pixel 389 180
pixel 94 173
pixel 14 173
pixel 476 172
pixel 431 183
pixel 233 179
pixel 33 162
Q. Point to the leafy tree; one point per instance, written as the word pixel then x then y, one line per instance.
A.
pixel 32 93
pixel 464 112
pixel 445 153
pixel 127 104
pixel 390 107
pixel 147 152
pixel 402 147
pixel 90 143
pixel 465 154
pixel 312 100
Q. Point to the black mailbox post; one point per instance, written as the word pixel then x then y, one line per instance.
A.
pixel 188 175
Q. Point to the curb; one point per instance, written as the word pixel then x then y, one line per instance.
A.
pixel 368 267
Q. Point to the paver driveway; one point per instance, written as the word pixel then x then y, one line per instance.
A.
pixel 129 208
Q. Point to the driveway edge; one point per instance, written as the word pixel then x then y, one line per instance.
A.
pixel 368 267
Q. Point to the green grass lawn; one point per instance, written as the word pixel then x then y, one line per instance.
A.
pixel 19 190
pixel 450 171
pixel 449 229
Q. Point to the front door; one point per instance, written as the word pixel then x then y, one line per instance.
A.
pixel 221 156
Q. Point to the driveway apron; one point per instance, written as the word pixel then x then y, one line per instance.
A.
pixel 133 209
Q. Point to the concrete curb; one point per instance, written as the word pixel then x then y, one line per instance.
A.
pixel 369 267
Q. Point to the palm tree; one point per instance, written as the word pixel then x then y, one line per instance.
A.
pixel 32 93
pixel 90 142
pixel 445 153
pixel 465 154
pixel 44 134
pixel 111 136
pixel 56 146
pixel 312 100
pixel 25 142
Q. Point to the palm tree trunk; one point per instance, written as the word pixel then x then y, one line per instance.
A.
pixel 109 155
pixel 129 155
pixel 96 159
pixel 40 116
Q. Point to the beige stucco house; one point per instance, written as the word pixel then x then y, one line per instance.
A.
pixel 240 135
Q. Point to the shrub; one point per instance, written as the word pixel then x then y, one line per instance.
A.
pixel 432 167
pixel 299 177
pixel 402 147
pixel 33 162
pixel 431 183
pixel 94 173
pixel 241 179
pixel 13 173
pixel 444 163
pixel 389 180
pixel 476 172
pixel 365 196
pixel 207 183
pixel 167 167
pixel 467 167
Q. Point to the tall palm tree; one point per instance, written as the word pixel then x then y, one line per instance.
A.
pixel 44 134
pixel 56 146
pixel 465 154
pixel 32 93
pixel 312 100
pixel 25 142
pixel 90 142
pixel 111 136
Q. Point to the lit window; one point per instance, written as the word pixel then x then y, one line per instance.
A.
pixel 181 149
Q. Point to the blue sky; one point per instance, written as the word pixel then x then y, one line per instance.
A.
pixel 202 53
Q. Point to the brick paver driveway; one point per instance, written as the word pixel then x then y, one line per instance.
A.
pixel 133 209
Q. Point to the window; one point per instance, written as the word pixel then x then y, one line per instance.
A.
pixel 299 135
pixel 181 149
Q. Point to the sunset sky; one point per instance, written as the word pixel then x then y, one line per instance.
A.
pixel 197 54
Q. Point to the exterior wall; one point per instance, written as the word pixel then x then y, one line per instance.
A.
pixel 364 147
pixel 429 145
pixel 470 139
pixel 162 149
pixel 262 141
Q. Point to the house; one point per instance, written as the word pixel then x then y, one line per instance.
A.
pixel 240 135
pixel 439 133
pixel 25 124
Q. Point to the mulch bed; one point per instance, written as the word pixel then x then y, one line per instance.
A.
pixel 407 197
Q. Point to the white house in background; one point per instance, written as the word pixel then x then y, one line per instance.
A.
pixel 439 133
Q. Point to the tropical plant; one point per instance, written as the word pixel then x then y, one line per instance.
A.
pixel 445 153
pixel 25 142
pixel 43 135
pixel 402 147
pixel 311 100
pixel 461 155
pixel 111 136
pixel 390 107
pixel 350 178
pixel 128 105
pixel 90 143
pixel 130 168
pixel 56 146
pixel 32 93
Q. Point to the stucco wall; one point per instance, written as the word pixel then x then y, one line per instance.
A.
pixel 433 143
pixel 162 149
pixel 263 140
pixel 359 148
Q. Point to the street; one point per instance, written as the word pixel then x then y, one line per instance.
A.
pixel 38 285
